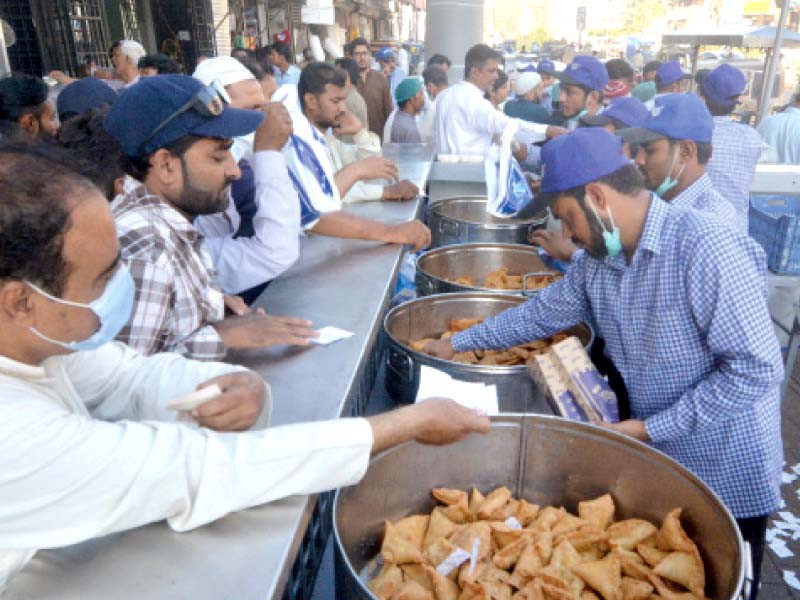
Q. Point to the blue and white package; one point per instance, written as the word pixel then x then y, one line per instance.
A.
pixel 507 188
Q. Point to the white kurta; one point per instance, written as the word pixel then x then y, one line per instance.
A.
pixel 465 122
pixel 86 449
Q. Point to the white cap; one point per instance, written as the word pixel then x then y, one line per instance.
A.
pixel 526 82
pixel 225 70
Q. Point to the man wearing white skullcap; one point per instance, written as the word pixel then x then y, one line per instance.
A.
pixel 526 105
pixel 263 216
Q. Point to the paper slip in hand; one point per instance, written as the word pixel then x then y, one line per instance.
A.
pixel 328 335
pixel 191 401
pixel 437 384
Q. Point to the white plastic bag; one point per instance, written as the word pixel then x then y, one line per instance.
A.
pixel 507 189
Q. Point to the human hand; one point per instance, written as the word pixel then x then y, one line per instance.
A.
pixel 630 427
pixel 61 77
pixel 413 232
pixel 403 190
pixel 555 244
pixel 440 349
pixel 237 408
pixel 258 330
pixel 275 129
pixel 552 131
pixel 376 167
pixel 236 305
pixel 441 421
pixel 349 124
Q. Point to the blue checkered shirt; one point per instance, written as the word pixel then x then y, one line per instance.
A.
pixel 686 324
pixel 702 196
pixel 736 149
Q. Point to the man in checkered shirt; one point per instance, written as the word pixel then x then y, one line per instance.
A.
pixel 674 148
pixel 176 135
pixel 680 300
pixel 737 147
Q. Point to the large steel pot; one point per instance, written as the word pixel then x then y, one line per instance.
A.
pixel 429 317
pixel 463 219
pixel 548 461
pixel 438 269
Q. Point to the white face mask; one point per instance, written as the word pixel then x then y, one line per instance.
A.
pixel 242 147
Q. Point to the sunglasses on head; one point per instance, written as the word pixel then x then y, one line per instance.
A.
pixel 206 101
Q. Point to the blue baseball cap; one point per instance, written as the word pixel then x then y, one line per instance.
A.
pixel 723 85
pixel 674 116
pixel 585 155
pixel 670 72
pixel 546 67
pixel 586 71
pixel 385 53
pixel 626 110
pixel 147 105
pixel 83 95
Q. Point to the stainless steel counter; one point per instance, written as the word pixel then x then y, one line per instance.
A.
pixel 250 554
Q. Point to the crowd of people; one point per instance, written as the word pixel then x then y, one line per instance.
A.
pixel 144 214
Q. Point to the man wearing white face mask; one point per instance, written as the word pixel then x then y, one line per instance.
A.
pixel 257 237
pixel 674 149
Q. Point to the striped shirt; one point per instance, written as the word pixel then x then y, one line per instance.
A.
pixel 176 299
pixel 736 149
pixel 686 323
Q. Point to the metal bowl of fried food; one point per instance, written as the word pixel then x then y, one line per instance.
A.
pixel 547 461
pixel 498 268
pixel 463 219
pixel 408 325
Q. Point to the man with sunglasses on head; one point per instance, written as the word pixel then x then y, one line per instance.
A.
pixel 176 135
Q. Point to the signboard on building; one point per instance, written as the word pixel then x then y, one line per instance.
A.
pixel 581 18
pixel 318 12
pixel 758 7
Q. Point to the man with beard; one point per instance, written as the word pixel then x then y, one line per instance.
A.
pixel 674 147
pixel 176 135
pixel 24 108
pixel 681 302
pixel 373 87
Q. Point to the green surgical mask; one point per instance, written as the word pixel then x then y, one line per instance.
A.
pixel 611 237
pixel 669 182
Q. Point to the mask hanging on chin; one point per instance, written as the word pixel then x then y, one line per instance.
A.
pixel 611 238
pixel 669 182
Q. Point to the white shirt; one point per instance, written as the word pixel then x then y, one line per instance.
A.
pixel 365 144
pixel 86 450
pixel 245 262
pixel 466 122
pixel 425 120
pixel 387 128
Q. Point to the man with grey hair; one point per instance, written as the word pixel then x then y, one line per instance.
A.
pixel 125 55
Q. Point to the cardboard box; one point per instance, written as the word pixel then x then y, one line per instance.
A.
pixel 549 381
pixel 572 384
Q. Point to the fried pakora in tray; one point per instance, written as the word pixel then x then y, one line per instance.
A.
pixel 501 280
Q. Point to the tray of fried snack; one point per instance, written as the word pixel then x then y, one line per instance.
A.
pixel 518 355
pixel 500 279
pixel 495 547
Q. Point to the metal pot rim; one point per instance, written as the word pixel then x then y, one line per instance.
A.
pixel 475 246
pixel 585 428
pixel 436 207
pixel 450 366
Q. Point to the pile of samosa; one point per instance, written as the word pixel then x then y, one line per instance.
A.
pixel 495 547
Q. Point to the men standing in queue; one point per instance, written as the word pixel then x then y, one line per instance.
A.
pixel 282 59
pixel 736 147
pixel 88 446
pixel 321 93
pixel 373 87
pixel 526 104
pixel 176 135
pixel 669 79
pixel 674 148
pixel 680 300
pixel 582 85
pixel 410 99
pixel 546 70
pixel 435 80
pixel 466 122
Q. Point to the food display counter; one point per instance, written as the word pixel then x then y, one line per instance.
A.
pixel 270 551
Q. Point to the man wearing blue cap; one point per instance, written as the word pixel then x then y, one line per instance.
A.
pixel 582 84
pixel 387 60
pixel 176 134
pixel 83 95
pixel 674 148
pixel 546 70
pixel 670 79
pixel 410 102
pixel 619 114
pixel 737 147
pixel 681 303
